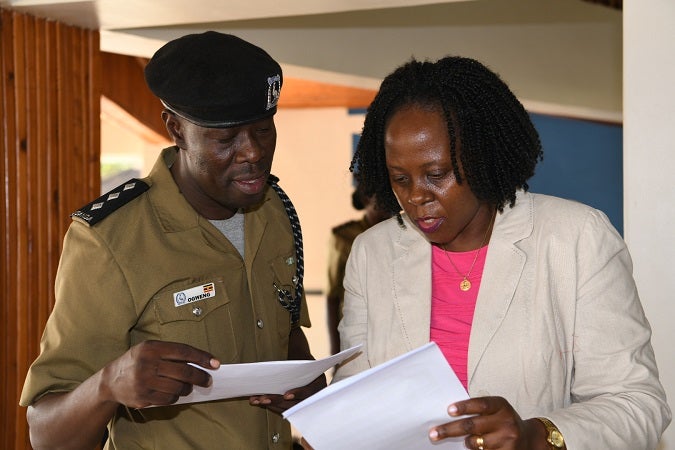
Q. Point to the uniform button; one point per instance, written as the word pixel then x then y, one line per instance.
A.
pixel 275 437
pixel 290 261
pixel 260 323
pixel 197 311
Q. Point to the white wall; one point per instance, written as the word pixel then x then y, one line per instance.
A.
pixel 649 165
pixel 312 162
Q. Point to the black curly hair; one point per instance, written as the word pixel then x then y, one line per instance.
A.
pixel 499 144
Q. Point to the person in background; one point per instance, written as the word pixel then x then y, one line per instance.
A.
pixel 200 262
pixel 340 244
pixel 530 297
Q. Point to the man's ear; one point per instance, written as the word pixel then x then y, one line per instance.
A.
pixel 174 127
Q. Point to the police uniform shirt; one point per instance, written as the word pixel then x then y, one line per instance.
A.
pixel 342 237
pixel 155 269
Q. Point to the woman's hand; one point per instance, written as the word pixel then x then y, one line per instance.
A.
pixel 492 424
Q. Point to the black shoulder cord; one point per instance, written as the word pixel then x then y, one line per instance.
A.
pixel 290 303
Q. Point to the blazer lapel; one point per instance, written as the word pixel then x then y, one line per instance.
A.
pixel 411 268
pixel 503 268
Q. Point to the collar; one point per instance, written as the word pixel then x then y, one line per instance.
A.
pixel 172 210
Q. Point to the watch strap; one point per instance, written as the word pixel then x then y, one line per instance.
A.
pixel 553 435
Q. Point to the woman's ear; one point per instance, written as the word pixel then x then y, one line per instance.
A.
pixel 174 127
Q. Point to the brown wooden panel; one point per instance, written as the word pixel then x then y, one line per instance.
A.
pixel 28 251
pixel 95 87
pixel 42 276
pixel 55 216
pixel 18 210
pixel 50 142
pixel 9 229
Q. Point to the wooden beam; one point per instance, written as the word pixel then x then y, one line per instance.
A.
pixel 297 93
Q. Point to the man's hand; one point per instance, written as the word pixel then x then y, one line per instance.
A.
pixel 280 403
pixel 298 348
pixel 156 373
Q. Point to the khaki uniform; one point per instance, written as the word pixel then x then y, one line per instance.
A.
pixel 120 283
pixel 342 237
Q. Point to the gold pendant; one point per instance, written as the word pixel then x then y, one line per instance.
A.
pixel 465 285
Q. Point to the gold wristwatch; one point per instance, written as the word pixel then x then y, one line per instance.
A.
pixel 554 436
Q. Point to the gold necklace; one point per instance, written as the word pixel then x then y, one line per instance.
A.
pixel 465 284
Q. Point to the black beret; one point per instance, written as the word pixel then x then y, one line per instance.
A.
pixel 215 80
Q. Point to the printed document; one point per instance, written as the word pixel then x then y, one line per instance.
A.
pixel 269 377
pixel 392 406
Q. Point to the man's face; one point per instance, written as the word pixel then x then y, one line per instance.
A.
pixel 220 170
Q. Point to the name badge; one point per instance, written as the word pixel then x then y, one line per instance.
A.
pixel 194 294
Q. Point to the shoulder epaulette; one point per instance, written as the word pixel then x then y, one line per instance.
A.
pixel 109 202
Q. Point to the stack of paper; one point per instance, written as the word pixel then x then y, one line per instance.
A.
pixel 391 406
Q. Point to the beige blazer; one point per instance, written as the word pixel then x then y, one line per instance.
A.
pixel 558 329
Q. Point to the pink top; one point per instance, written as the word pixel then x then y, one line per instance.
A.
pixel 451 308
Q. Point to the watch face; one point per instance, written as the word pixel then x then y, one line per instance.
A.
pixel 556 439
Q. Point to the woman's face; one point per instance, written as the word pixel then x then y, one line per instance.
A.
pixel 417 152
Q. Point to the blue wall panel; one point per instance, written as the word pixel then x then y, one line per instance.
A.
pixel 583 161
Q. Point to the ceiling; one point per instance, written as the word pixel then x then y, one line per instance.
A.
pixel 559 56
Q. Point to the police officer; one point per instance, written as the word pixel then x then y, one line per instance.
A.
pixel 197 263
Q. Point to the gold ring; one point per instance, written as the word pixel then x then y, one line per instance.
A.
pixel 480 442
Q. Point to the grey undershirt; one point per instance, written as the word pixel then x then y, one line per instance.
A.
pixel 233 230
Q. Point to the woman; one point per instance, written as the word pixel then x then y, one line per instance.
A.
pixel 530 297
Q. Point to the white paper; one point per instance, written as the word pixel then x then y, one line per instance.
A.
pixel 392 406
pixel 269 377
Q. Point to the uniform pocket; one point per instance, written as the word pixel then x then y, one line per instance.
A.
pixel 196 312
